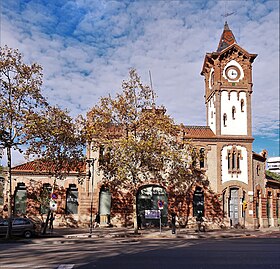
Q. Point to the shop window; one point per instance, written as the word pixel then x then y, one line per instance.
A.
pixel 72 199
pixel 20 199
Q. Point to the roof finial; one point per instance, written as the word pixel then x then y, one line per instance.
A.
pixel 226 26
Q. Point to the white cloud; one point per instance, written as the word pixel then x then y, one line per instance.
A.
pixel 87 48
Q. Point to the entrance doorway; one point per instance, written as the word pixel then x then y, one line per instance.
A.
pixel 233 207
pixel 20 198
pixel 148 198
pixel 198 202
pixel 105 198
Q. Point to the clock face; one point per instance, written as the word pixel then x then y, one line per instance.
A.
pixel 232 73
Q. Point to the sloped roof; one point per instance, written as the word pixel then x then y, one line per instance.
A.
pixel 227 43
pixel 227 38
pixel 198 132
pixel 35 166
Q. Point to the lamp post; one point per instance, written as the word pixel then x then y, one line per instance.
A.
pixel 91 175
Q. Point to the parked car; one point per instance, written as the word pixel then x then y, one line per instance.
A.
pixel 20 227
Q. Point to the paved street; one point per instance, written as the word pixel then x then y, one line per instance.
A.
pixel 133 253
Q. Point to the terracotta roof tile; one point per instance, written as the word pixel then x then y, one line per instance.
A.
pixel 198 132
pixel 227 38
pixel 34 166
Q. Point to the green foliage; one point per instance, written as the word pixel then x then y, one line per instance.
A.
pixel 20 97
pixel 56 143
pixel 27 120
pixel 272 175
pixel 142 143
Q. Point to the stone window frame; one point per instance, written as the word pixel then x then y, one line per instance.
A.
pixel 234 157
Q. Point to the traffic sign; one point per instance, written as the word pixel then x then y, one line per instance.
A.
pixel 53 205
pixel 160 204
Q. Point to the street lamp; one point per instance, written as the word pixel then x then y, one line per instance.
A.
pixel 91 176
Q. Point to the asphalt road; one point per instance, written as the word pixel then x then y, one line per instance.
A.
pixel 241 253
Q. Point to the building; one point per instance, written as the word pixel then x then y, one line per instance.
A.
pixel 273 164
pixel 239 192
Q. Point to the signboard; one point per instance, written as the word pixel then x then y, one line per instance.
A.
pixel 152 214
pixel 53 205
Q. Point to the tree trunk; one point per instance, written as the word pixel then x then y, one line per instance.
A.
pixel 47 222
pixel 10 211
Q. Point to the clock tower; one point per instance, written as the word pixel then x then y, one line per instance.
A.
pixel 228 91
pixel 228 87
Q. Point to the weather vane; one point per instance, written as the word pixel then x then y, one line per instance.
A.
pixel 227 14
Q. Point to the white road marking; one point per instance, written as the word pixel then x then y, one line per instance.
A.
pixel 65 266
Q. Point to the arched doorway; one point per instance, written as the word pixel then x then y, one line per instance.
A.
pixel 105 198
pixel 148 198
pixel 198 202
pixel 20 199
pixel 72 198
pixel 233 207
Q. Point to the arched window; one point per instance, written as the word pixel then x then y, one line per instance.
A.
pixel 229 160
pixel 233 111
pixel 258 170
pixel 238 160
pixel 202 158
pixel 242 105
pixel 233 160
pixel 72 199
pixel 212 79
pixel 233 157
pixel 225 119
pixel 20 199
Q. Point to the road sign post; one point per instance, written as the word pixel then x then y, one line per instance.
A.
pixel 160 207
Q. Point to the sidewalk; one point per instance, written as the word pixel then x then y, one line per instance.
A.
pixel 122 233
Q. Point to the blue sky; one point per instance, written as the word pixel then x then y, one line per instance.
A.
pixel 87 47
